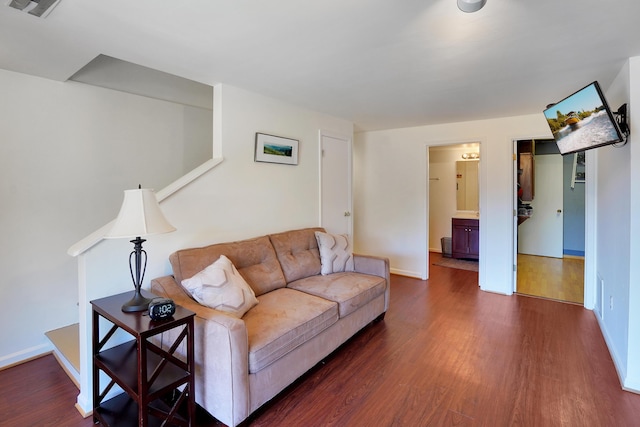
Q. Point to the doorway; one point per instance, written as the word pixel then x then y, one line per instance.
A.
pixel 336 183
pixel 549 236
pixel 453 192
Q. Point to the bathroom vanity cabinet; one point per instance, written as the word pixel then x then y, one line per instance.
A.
pixel 465 238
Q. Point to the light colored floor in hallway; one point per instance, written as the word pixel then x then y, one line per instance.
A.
pixel 555 278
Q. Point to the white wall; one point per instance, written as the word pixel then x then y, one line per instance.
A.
pixel 618 231
pixel 391 208
pixel 197 133
pixel 237 199
pixel 632 379
pixel 67 152
pixel 612 237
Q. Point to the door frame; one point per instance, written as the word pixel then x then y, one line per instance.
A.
pixel 481 200
pixel 349 141
pixel 590 276
pixel 545 229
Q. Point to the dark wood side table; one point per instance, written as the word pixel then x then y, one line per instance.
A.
pixel 157 385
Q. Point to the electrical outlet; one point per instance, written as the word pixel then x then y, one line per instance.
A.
pixel 610 302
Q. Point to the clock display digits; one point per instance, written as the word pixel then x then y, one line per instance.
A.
pixel 161 308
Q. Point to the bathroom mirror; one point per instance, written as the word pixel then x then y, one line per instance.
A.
pixel 467 188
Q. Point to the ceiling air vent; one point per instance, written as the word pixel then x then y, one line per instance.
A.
pixel 40 8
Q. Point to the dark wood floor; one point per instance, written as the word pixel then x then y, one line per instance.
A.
pixel 446 354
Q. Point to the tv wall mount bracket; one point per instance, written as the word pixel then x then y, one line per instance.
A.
pixel 623 124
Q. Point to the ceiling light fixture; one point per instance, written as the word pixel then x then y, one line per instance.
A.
pixel 470 6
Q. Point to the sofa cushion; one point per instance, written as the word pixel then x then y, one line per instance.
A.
pixel 255 259
pixel 220 286
pixel 297 252
pixel 350 290
pixel 336 253
pixel 283 320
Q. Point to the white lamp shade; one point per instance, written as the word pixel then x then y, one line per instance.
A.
pixel 470 6
pixel 140 215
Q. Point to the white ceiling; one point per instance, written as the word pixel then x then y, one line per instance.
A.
pixel 379 63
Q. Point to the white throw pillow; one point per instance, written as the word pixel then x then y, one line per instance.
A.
pixel 336 253
pixel 220 286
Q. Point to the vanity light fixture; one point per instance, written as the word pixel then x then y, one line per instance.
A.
pixel 471 6
pixel 471 156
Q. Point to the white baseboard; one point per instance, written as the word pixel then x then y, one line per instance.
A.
pixel 620 368
pixel 68 368
pixel 84 404
pixel 25 355
pixel 632 386
pixel 82 412
pixel 407 273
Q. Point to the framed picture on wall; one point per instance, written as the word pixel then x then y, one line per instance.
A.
pixel 276 149
pixel 578 174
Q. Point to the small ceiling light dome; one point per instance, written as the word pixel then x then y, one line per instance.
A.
pixel 471 5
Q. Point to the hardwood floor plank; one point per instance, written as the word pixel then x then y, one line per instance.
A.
pixel 447 354
pixel 561 279
pixel 38 393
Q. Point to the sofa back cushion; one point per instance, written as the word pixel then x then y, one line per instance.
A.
pixel 298 253
pixel 255 260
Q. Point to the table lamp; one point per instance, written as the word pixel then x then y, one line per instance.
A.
pixel 140 215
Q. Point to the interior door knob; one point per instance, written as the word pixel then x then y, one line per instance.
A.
pixel 559 211
pixel 347 213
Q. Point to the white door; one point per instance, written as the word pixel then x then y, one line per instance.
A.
pixel 335 183
pixel 542 234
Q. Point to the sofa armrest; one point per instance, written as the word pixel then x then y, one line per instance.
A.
pixel 221 356
pixel 375 266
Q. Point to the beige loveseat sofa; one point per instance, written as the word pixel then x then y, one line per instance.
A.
pixel 300 318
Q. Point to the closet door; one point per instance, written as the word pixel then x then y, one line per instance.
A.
pixel 542 233
pixel 335 183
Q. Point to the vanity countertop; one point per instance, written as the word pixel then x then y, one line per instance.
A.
pixel 467 215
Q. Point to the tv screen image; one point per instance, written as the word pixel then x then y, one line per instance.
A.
pixel 582 121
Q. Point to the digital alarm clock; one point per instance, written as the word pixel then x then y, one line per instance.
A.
pixel 161 308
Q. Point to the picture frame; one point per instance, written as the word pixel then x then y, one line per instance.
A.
pixel 276 149
pixel 579 173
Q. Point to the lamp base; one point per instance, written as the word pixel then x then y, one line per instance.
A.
pixel 137 303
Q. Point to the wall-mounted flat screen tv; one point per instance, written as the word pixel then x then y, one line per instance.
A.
pixel 583 121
